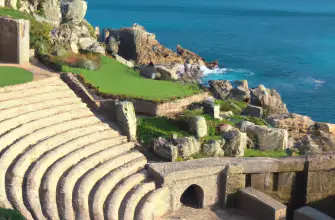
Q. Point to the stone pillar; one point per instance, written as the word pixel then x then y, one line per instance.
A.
pixel 232 183
pixel 23 41
pixel 14 40
pixel 126 118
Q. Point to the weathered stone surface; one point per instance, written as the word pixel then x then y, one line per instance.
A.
pixel 112 45
pixel 254 111
pixel 170 71
pixel 213 148
pixel 193 58
pixel 75 37
pixel 182 147
pixel 266 138
pixel 236 142
pixel 220 88
pixel 259 205
pixel 198 126
pixel 126 117
pixel 308 213
pixel 268 99
pixel 73 11
pixel 326 127
pixel 223 128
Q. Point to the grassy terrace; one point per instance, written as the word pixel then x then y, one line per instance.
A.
pixel 117 79
pixel 12 75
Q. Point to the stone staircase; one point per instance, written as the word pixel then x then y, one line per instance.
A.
pixel 59 160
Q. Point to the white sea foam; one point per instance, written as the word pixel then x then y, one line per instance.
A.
pixel 206 71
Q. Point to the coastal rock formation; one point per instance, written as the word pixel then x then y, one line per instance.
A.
pixel 266 139
pixel 73 11
pixel 142 47
pixel 269 100
pixel 193 58
pixel 223 89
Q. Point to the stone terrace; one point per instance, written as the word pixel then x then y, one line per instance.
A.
pixel 60 160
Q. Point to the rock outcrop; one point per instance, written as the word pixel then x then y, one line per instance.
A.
pixel 142 47
pixel 269 100
pixel 223 89
pixel 266 139
pixel 193 58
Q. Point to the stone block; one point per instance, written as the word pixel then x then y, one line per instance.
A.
pixel 262 181
pixel 259 205
pixel 232 184
pixel 198 127
pixel 308 213
pixel 253 111
pixel 126 117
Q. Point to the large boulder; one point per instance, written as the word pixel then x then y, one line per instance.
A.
pixel 254 111
pixel 213 148
pixel 183 147
pixel 220 88
pixel 266 139
pixel 112 46
pixel 236 142
pixel 198 127
pixel 268 99
pixel 73 11
pixel 126 118
pixel 75 37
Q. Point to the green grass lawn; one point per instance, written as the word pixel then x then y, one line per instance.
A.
pixel 10 214
pixel 117 79
pixel 12 75
pixel 12 13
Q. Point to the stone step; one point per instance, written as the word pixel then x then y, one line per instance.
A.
pixel 30 85
pixel 32 92
pixel 36 99
pixel 114 201
pixel 155 205
pixel 12 135
pixel 35 174
pixel 108 183
pixel 32 116
pixel 23 109
pixel 18 169
pixel 19 146
pixel 69 180
pixel 82 192
pixel 51 178
pixel 133 198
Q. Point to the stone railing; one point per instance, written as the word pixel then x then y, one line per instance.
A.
pixel 294 181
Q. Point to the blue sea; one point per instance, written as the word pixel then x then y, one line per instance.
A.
pixel 288 45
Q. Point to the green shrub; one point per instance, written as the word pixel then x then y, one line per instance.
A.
pixel 40 36
pixel 257 121
pixel 18 4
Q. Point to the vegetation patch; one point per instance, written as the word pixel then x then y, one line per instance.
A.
pixel 114 79
pixel 150 128
pixel 12 76
pixel 231 105
pixel 259 153
pixel 10 214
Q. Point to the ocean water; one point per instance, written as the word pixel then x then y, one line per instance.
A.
pixel 288 45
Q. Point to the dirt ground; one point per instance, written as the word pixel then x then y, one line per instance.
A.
pixel 187 213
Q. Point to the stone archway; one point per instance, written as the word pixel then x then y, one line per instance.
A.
pixel 193 197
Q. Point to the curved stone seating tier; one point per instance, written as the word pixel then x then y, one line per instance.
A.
pixel 59 160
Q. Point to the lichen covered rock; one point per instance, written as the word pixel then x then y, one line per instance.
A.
pixel 73 11
pixel 213 148
pixel 236 142
pixel 198 126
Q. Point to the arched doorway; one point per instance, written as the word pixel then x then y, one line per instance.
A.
pixel 193 197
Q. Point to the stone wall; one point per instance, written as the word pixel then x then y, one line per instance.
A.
pixel 124 61
pixel 107 106
pixel 14 40
pixel 293 181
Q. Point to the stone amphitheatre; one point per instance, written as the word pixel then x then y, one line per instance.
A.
pixel 63 159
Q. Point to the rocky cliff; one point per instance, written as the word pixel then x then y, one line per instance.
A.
pixel 70 31
pixel 137 44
